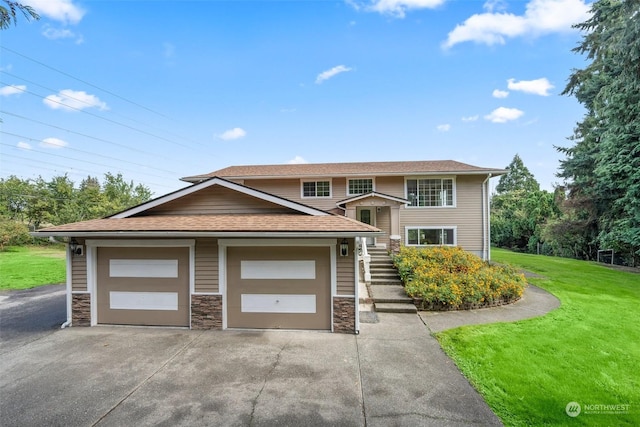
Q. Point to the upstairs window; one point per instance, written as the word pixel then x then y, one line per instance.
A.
pixel 316 189
pixel 425 236
pixel 431 192
pixel 359 186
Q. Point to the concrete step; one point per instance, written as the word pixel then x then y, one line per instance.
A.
pixel 395 307
pixel 386 282
pixel 381 273
pixel 389 293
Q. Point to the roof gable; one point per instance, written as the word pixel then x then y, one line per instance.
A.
pixel 164 203
pixel 373 194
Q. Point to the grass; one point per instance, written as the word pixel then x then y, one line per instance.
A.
pixel 27 267
pixel 587 351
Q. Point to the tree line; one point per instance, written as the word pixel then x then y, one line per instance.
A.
pixel 29 204
pixel 598 204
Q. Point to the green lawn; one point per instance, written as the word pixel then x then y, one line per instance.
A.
pixel 587 351
pixel 27 267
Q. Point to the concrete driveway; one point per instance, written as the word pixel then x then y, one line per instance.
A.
pixel 393 373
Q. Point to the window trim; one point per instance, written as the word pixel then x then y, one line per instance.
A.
pixel 440 177
pixel 329 180
pixel 429 227
pixel 373 185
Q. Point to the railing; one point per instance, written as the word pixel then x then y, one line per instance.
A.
pixel 364 259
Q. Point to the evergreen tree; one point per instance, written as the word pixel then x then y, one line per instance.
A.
pixel 517 177
pixel 602 169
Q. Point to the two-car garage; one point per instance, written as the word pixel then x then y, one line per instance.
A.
pixel 273 287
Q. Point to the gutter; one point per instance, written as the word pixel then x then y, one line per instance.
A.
pixel 486 254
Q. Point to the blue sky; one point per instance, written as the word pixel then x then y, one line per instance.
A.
pixel 158 90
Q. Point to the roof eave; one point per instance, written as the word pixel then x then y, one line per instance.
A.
pixel 192 234
pixel 493 172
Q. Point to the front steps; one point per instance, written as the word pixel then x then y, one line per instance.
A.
pixel 386 288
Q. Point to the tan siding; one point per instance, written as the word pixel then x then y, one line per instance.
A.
pixel 346 271
pixel 216 200
pixel 291 189
pixel 390 185
pixel 383 222
pixel 466 216
pixel 206 260
pixel 79 273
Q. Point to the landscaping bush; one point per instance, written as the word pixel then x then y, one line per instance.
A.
pixel 446 277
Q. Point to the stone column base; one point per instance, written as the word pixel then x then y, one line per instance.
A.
pixel 206 311
pixel 344 315
pixel 81 309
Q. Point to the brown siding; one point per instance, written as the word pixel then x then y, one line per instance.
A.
pixel 216 200
pixel 79 273
pixel 346 271
pixel 466 216
pixel 206 260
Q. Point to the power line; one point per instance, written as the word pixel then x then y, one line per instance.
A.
pixel 83 81
pixel 91 105
pixel 83 161
pixel 101 117
pixel 83 151
pixel 74 168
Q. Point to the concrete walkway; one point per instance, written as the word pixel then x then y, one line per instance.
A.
pixel 534 302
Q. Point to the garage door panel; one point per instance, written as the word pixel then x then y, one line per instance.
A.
pixel 278 287
pixel 143 286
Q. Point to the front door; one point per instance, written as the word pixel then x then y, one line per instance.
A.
pixel 367 216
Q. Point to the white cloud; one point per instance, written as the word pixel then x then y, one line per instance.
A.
pixel 497 93
pixel 503 115
pixel 537 87
pixel 64 11
pixel 72 100
pixel 396 8
pixel 61 33
pixel 12 90
pixel 470 118
pixel 541 17
pixel 326 75
pixel 444 128
pixel 23 145
pixel 297 160
pixel 53 143
pixel 493 5
pixel 231 134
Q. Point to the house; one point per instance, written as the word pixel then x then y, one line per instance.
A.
pixel 266 246
pixel 413 203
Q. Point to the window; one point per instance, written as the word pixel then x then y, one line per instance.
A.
pixel 359 186
pixel 422 236
pixel 430 192
pixel 316 189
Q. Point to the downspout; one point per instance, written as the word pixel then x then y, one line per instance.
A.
pixel 486 254
pixel 69 276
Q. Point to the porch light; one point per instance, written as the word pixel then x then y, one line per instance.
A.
pixel 75 248
pixel 344 247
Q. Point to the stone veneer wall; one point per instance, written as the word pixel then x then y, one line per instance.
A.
pixel 206 311
pixel 81 309
pixel 394 246
pixel 344 315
